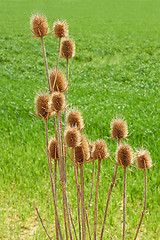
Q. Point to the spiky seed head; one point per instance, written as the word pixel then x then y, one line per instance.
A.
pixel 124 155
pixel 57 102
pixel 39 25
pixel 143 159
pixel 91 149
pixel 82 152
pixel 72 137
pixel 53 149
pixel 100 150
pixel 42 105
pixel 68 48
pixel 75 119
pixel 60 29
pixel 60 85
pixel 119 128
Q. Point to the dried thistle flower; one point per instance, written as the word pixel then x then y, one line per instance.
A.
pixel 124 155
pixel 53 149
pixel 82 152
pixel 68 48
pixel 57 102
pixel 42 105
pixel 60 29
pixel 100 151
pixel 39 25
pixel 75 119
pixel 60 85
pixel 119 129
pixel 72 137
pixel 143 159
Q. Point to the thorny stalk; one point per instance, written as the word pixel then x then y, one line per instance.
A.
pixel 57 62
pixel 78 206
pixel 124 204
pixel 65 112
pixel 96 200
pixel 91 188
pixel 145 201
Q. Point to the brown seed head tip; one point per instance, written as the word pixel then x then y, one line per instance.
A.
pixel 143 159
pixel 75 119
pixel 60 29
pixel 39 25
pixel 72 137
pixel 100 151
pixel 119 129
pixel 53 149
pixel 124 155
pixel 42 105
pixel 91 149
pixel 67 49
pixel 60 85
pixel 57 102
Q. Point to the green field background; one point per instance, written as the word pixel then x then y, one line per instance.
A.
pixel 116 71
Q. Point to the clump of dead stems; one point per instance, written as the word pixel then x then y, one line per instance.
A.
pixel 70 143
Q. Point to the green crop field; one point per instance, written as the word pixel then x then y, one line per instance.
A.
pixel 116 71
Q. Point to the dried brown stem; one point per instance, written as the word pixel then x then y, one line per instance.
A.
pixel 82 200
pixel 78 206
pixel 91 188
pixel 145 201
pixel 65 111
pixel 41 220
pixel 57 62
pixel 96 200
pixel 45 59
pixel 124 204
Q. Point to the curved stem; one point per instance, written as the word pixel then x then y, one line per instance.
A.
pixel 124 204
pixel 65 111
pixel 82 209
pixel 91 188
pixel 109 195
pixel 145 201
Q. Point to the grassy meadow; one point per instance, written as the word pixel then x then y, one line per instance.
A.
pixel 116 71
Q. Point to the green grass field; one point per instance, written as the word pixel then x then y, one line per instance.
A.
pixel 116 71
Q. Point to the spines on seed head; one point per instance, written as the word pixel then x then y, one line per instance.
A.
pixel 100 150
pixel 60 85
pixel 124 155
pixel 68 48
pixel 75 119
pixel 53 149
pixel 60 29
pixel 82 152
pixel 72 137
pixel 57 102
pixel 91 149
pixel 119 129
pixel 39 25
pixel 42 105
pixel 143 159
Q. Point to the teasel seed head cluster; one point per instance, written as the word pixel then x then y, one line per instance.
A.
pixel 57 102
pixel 143 159
pixel 124 155
pixel 100 150
pixel 53 149
pixel 75 120
pixel 72 137
pixel 42 106
pixel 60 29
pixel 119 129
pixel 39 25
pixel 68 48
pixel 60 85
pixel 82 152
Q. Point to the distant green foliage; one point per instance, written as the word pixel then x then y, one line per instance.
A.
pixel 116 71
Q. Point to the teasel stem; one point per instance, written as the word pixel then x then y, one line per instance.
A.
pixel 145 201
pixel 41 220
pixel 124 203
pixel 57 61
pixel 45 59
pixel 52 183
pixel 78 190
pixel 82 200
pixel 91 188
pixel 65 112
pixel 78 206
pixel 96 200
pixel 108 199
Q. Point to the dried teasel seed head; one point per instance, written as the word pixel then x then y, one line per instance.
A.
pixel 53 149
pixel 100 150
pixel 60 29
pixel 91 149
pixel 143 159
pixel 42 105
pixel 60 85
pixel 57 102
pixel 119 128
pixel 72 137
pixel 82 152
pixel 75 119
pixel 124 155
pixel 67 49
pixel 39 25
